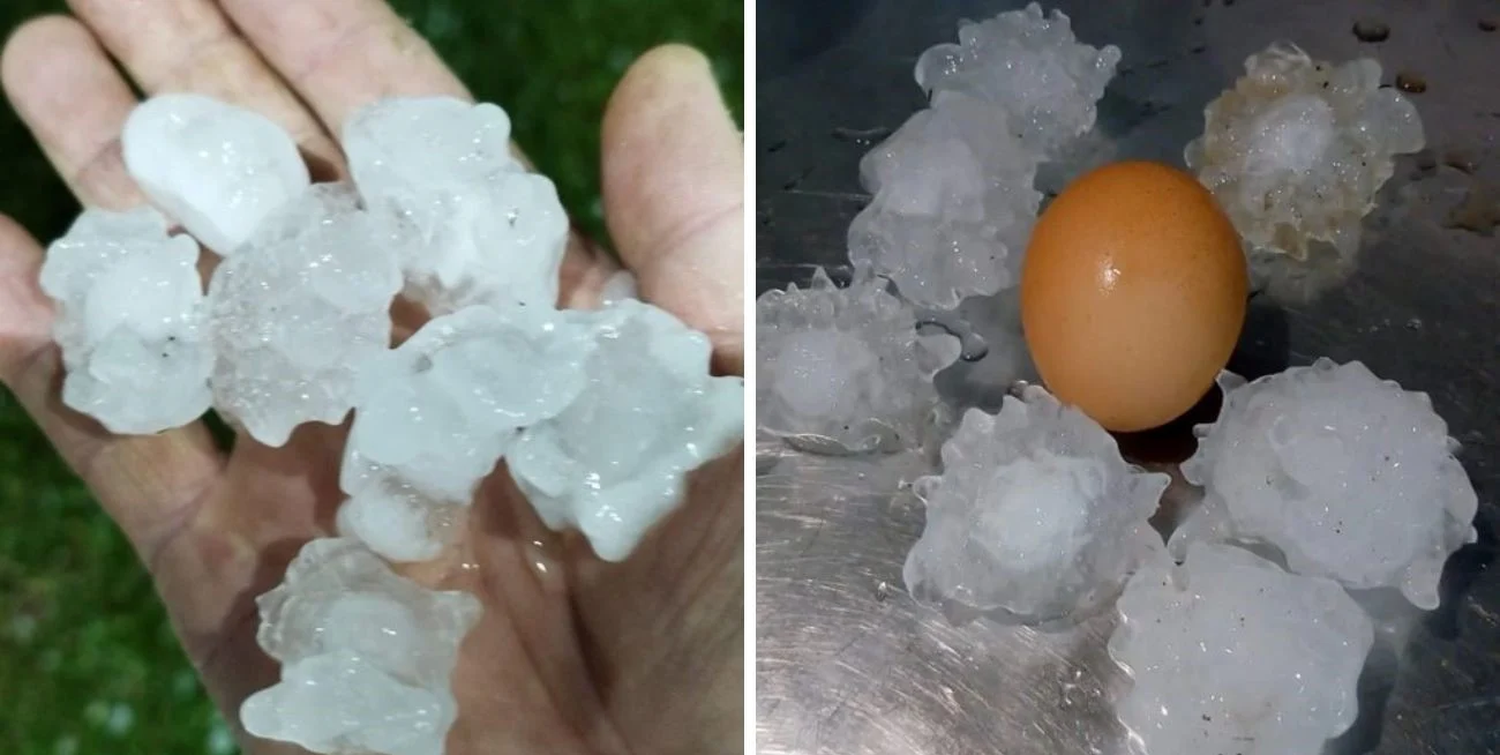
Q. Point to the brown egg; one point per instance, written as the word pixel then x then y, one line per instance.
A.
pixel 1133 294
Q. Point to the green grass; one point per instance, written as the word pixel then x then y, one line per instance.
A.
pixel 88 664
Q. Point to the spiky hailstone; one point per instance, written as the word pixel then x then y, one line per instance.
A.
pixel 1349 476
pixel 217 169
pixel 434 416
pixel 615 461
pixel 297 311
pixel 481 229
pixel 367 656
pixel 130 321
pixel 846 365
pixel 1227 653
pixel 1035 519
pixel 1032 67
pixel 1296 151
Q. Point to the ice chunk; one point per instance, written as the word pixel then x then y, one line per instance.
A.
pixel 294 316
pixel 620 286
pixel 1297 150
pixel 217 169
pixel 434 416
pixel 1349 476
pixel 953 203
pixel 367 655
pixel 1229 654
pixel 615 461
pixel 1036 518
pixel 846 365
pixel 1030 65
pixel 130 321
pixel 479 228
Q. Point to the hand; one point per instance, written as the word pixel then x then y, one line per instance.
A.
pixel 573 655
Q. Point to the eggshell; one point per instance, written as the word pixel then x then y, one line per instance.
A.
pixel 1133 294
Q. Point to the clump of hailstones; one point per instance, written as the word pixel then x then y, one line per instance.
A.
pixel 952 206
pixel 846 366
pixel 602 414
pixel 1346 475
pixel 1035 519
pixel 1297 150
pixel 1228 653
pixel 1030 65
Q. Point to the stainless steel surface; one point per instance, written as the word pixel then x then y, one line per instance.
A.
pixel 847 662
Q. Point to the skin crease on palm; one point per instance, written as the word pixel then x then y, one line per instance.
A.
pixel 572 655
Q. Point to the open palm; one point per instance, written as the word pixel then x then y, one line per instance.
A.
pixel 572 655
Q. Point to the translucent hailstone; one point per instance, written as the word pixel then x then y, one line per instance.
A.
pixel 292 316
pixel 615 461
pixel 1349 476
pixel 479 228
pixel 217 169
pixel 1036 518
pixel 1029 65
pixel 953 203
pixel 433 416
pixel 1297 150
pixel 367 656
pixel 130 321
pixel 846 365
pixel 1227 653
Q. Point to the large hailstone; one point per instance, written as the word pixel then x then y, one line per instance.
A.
pixel 1029 65
pixel 845 365
pixel 616 460
pixel 217 169
pixel 479 228
pixel 130 321
pixel 1297 150
pixel 305 302
pixel 953 203
pixel 1227 653
pixel 1349 476
pixel 1036 518
pixel 367 656
pixel 434 416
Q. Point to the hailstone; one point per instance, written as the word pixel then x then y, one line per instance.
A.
pixel 1297 150
pixel 1348 476
pixel 615 461
pixel 1031 66
pixel 367 656
pixel 295 314
pixel 1036 518
pixel 130 321
pixel 478 227
pixel 217 169
pixel 1228 653
pixel 846 364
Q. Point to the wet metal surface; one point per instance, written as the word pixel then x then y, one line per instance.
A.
pixel 847 663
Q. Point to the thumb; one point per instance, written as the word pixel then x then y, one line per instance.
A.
pixel 674 194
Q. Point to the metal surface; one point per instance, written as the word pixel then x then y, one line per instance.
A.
pixel 847 662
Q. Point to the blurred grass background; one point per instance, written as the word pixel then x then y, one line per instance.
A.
pixel 88 664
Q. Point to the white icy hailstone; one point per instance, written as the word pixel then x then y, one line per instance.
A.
pixel 1227 653
pixel 481 229
pixel 953 204
pixel 130 321
pixel 1029 65
pixel 434 416
pixel 1297 150
pixel 846 365
pixel 217 169
pixel 1035 519
pixel 367 656
pixel 292 317
pixel 616 460
pixel 1349 476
